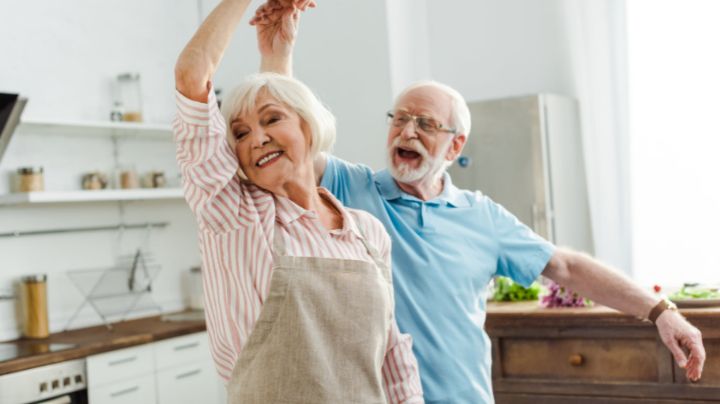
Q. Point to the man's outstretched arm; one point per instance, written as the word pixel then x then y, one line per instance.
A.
pixel 602 284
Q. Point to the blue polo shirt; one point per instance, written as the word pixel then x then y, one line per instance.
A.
pixel 444 253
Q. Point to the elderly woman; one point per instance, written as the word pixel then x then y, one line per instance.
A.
pixel 298 288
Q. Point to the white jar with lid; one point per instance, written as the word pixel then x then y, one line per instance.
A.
pixel 196 289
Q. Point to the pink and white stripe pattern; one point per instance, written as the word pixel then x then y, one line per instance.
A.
pixel 236 224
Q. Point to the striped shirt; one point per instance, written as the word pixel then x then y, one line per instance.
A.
pixel 236 225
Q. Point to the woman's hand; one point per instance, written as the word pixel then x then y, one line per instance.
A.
pixel 272 8
pixel 276 31
pixel 277 22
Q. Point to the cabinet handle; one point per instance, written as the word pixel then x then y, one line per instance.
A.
pixel 186 346
pixel 121 361
pixel 126 391
pixel 187 374
pixel 576 359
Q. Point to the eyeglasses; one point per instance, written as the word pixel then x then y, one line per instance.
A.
pixel 423 124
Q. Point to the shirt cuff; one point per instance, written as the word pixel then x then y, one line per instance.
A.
pixel 195 112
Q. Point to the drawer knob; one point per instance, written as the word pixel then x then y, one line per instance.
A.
pixel 576 359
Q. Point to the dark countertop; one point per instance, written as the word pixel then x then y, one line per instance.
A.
pixel 93 340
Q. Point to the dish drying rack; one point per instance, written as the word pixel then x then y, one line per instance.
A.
pixel 118 290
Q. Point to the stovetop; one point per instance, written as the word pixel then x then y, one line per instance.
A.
pixel 23 348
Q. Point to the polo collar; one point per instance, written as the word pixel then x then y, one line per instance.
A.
pixel 450 194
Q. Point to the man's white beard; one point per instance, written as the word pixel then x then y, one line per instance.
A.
pixel 430 167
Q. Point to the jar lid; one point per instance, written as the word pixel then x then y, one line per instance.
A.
pixel 34 278
pixel 30 170
pixel 128 76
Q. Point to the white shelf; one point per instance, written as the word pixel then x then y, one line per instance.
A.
pixel 91 196
pixel 104 129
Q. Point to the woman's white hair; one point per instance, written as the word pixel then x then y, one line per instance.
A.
pixel 290 92
pixel 460 114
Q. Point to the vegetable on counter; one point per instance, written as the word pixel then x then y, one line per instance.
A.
pixel 506 290
pixel 560 296
pixel 694 291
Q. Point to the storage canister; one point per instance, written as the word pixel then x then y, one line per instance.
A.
pixel 34 304
pixel 30 179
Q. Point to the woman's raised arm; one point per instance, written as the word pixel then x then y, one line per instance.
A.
pixel 200 57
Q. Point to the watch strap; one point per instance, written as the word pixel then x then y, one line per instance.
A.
pixel 658 310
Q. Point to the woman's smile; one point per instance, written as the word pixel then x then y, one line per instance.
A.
pixel 268 159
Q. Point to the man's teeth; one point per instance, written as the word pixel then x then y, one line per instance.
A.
pixel 267 158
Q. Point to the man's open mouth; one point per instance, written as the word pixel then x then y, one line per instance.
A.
pixel 407 154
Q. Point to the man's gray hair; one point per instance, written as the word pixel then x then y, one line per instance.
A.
pixel 290 92
pixel 460 114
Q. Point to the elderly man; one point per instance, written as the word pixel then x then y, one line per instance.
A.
pixel 448 243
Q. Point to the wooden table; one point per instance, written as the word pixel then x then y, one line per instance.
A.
pixel 592 356
pixel 93 340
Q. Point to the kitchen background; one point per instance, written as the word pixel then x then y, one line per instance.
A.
pixel 64 56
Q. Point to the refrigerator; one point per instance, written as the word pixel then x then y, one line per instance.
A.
pixel 526 154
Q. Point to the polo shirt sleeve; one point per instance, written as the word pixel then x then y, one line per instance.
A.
pixel 522 254
pixel 343 179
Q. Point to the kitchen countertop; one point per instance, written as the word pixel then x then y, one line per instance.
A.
pixel 508 314
pixel 93 340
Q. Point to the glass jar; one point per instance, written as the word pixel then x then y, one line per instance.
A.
pixel 130 96
pixel 30 179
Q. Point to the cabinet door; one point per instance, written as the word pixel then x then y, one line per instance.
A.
pixel 121 364
pixel 190 383
pixel 133 391
pixel 181 350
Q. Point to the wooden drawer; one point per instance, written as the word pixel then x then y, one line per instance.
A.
pixel 579 359
pixel 133 391
pixel 711 371
pixel 120 365
pixel 180 350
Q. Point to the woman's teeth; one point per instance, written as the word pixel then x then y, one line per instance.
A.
pixel 267 158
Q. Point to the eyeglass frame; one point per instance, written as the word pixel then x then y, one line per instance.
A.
pixel 415 120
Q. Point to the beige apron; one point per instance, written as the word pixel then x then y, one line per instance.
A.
pixel 321 335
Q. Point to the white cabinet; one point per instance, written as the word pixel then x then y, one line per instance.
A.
pixel 122 376
pixel 180 350
pixel 173 371
pixel 187 384
pixel 131 391
pixel 121 364
pixel 185 372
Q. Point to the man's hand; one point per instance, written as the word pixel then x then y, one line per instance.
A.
pixel 677 334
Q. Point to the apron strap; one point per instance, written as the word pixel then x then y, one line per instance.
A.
pixel 278 243
pixel 374 254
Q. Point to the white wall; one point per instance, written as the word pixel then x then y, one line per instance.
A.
pixel 64 56
pixel 342 54
pixel 492 49
pixel 355 55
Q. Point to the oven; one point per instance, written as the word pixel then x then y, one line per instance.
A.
pixel 59 383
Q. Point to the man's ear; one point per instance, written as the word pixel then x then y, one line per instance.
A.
pixel 456 146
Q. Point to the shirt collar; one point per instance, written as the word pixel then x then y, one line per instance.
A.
pixel 288 211
pixel 450 194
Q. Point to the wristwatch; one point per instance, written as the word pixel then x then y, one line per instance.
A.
pixel 664 304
